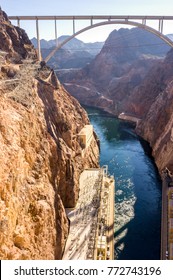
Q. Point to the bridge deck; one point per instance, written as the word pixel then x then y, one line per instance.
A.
pixel 94 17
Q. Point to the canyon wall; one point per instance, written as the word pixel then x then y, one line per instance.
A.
pixel 157 123
pixel 131 75
pixel 116 72
pixel 40 155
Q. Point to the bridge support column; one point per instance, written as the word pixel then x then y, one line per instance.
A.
pixel 91 21
pixel 18 22
pixel 161 25
pixel 144 21
pixel 38 40
pixel 73 25
pixel 56 36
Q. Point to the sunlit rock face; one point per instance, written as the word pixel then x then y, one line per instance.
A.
pixel 14 40
pixel 40 155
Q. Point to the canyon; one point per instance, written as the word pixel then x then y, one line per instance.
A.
pixel 132 74
pixel 40 155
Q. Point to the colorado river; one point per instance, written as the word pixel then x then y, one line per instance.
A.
pixel 137 191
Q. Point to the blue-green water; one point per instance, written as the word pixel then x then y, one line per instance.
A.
pixel 137 191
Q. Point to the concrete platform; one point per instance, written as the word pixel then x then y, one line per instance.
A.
pixel 96 199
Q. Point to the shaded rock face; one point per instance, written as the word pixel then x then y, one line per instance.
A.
pixel 64 58
pixel 117 71
pixel 126 77
pixel 140 98
pixel 40 156
pixel 157 122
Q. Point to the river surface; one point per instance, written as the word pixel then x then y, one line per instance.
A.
pixel 137 188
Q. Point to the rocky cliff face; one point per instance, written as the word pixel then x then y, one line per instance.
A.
pixel 117 71
pixel 40 156
pixel 157 122
pixel 14 40
pixel 126 77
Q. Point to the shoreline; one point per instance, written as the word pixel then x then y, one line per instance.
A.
pixel 129 118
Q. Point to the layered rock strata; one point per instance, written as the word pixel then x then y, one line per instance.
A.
pixel 40 155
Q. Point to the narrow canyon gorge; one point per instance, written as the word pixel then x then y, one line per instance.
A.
pixel 41 157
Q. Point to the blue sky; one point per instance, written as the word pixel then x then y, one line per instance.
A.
pixel 81 7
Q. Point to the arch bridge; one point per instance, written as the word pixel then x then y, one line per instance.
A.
pixel 138 21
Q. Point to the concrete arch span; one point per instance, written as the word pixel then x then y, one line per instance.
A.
pixel 126 22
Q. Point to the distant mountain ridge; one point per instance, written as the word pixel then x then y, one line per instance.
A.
pixel 74 54
pixel 118 69
pixel 76 44
pixel 77 54
pixel 73 45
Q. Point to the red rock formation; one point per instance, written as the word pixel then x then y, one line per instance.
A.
pixel 40 156
pixel 14 40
